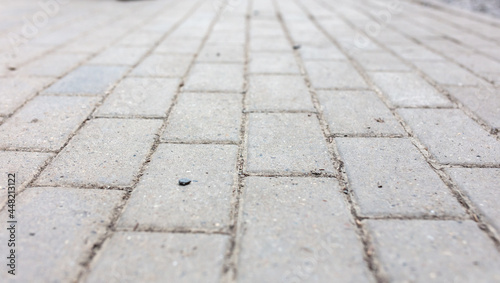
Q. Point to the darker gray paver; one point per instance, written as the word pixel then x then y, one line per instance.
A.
pixel 105 152
pixel 205 117
pixel 46 122
pixel 205 203
pixel 451 136
pixel 389 177
pixel 286 143
pixel 87 80
pixel 298 230
pixel 59 228
pixel 434 251
pixel 357 112
pixel 170 258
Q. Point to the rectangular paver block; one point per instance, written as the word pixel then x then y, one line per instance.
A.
pixel 448 73
pixel 298 230
pixel 120 55
pixel 105 152
pixel 203 204
pixel 434 251
pixel 278 92
pixel 390 177
pixel 87 80
pixel 221 53
pixel 174 258
pixel 321 52
pixel 415 52
pixel 380 61
pixel 286 143
pixel 357 112
pixel 146 97
pixel 273 63
pixel 270 44
pixel 23 164
pixel 408 90
pixel 334 74
pixel 215 77
pixel 59 228
pixel 182 46
pixel 452 137
pixel 163 65
pixel 205 117
pixel 46 122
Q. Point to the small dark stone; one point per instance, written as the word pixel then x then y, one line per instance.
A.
pixel 296 46
pixel 184 182
pixel 12 68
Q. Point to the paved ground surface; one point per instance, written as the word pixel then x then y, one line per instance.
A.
pixel 351 141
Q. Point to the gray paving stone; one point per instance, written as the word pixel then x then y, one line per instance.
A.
pixel 389 177
pixel 408 90
pixel 448 73
pixel 46 122
pixel 182 46
pixel 415 53
pixel 275 247
pixel 203 204
pixel 357 112
pixel 334 74
pixel 451 136
pixel 224 37
pixel 24 164
pixel 435 251
pixel 270 44
pixel 269 28
pixel 163 65
pixel 320 52
pixel 222 53
pixel 145 97
pixel 173 258
pixel 114 151
pixel 482 101
pixel 140 38
pixel 480 185
pixel 273 63
pixel 59 228
pixel 275 92
pixel 380 61
pixel 16 91
pixel 52 65
pixel 120 55
pixel 206 117
pixel 87 80
pixel 286 143
pixel 215 77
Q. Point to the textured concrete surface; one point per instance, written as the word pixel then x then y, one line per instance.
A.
pixel 324 141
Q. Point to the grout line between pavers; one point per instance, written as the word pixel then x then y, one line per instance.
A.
pixel 461 197
pixel 230 265
pixel 370 260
